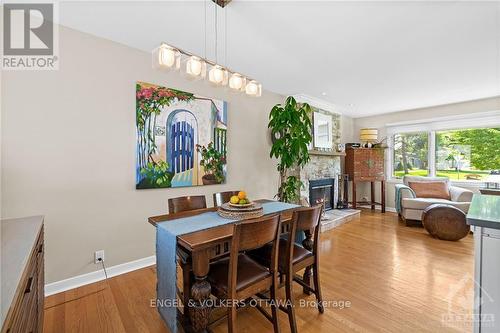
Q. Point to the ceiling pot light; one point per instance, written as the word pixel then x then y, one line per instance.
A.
pixel 237 82
pixel 253 88
pixel 196 67
pixel 218 75
pixel 166 57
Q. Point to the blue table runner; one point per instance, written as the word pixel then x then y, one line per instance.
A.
pixel 166 245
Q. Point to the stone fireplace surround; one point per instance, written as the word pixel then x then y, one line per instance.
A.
pixel 320 167
pixel 323 167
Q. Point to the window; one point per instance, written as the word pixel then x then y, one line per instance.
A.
pixel 468 154
pixel 411 154
pixel 463 154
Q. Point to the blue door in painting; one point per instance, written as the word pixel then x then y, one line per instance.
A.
pixel 182 146
pixel 182 137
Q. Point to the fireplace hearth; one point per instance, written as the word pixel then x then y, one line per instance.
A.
pixel 322 190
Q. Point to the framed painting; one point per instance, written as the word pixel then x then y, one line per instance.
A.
pixel 181 138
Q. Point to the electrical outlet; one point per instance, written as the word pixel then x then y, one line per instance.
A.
pixel 98 255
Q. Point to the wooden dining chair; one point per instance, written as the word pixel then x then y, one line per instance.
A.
pixel 183 204
pixel 178 205
pixel 239 277
pixel 293 258
pixel 223 197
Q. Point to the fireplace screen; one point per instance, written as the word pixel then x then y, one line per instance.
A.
pixel 322 190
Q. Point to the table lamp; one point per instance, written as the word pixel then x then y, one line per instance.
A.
pixel 368 136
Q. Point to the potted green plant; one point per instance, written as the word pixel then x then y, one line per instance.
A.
pixel 212 162
pixel 290 125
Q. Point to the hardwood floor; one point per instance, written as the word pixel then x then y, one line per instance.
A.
pixel 397 279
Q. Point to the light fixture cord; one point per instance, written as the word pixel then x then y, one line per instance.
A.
pixel 225 38
pixel 215 6
pixel 205 26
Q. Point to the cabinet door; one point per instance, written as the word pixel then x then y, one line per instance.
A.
pixel 376 163
pixel 490 285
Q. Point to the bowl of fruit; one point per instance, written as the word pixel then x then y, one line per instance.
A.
pixel 240 200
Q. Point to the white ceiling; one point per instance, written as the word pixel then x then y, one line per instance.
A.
pixel 368 57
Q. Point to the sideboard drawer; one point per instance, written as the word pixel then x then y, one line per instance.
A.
pixel 25 313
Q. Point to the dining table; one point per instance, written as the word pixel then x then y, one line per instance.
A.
pixel 203 247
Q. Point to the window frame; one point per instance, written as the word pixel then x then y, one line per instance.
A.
pixel 487 119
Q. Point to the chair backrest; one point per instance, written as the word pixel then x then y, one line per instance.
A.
pixel 183 204
pixel 249 235
pixel 421 179
pixel 223 197
pixel 305 219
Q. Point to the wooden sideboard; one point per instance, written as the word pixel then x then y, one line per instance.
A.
pixel 366 165
pixel 22 270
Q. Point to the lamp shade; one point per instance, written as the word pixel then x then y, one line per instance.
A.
pixel 368 135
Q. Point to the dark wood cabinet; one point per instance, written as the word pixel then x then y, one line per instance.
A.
pixel 366 165
pixel 25 292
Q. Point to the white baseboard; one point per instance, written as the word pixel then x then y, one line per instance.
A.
pixel 387 209
pixel 88 278
pixel 391 209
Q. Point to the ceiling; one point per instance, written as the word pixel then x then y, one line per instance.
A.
pixel 364 57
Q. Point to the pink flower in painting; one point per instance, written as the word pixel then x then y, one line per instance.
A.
pixel 145 93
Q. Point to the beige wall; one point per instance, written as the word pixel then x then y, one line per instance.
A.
pixel 380 121
pixel 68 141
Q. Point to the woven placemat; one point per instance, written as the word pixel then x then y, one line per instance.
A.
pixel 235 213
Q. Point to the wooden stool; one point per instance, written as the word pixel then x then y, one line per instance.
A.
pixel 445 222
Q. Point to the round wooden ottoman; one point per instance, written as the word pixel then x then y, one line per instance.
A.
pixel 445 222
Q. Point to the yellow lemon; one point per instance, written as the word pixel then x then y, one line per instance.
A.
pixel 242 195
pixel 235 199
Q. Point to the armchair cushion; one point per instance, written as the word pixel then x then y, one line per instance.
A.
pixel 422 203
pixel 459 194
pixel 431 189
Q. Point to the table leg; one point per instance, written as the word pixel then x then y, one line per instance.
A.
pixel 382 190
pixel 354 194
pixel 199 309
pixel 372 194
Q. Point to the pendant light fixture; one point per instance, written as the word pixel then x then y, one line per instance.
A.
pixel 166 57
pixel 217 75
pixel 253 88
pixel 237 82
pixel 195 67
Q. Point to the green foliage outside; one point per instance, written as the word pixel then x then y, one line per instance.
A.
pixel 470 154
pixel 484 145
pixel 290 126
pixel 410 147
pixel 451 174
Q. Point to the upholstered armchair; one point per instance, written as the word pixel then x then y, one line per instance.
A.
pixel 410 205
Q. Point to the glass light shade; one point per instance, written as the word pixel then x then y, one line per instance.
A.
pixel 218 75
pixel 196 67
pixel 253 88
pixel 166 57
pixel 237 82
pixel 368 135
